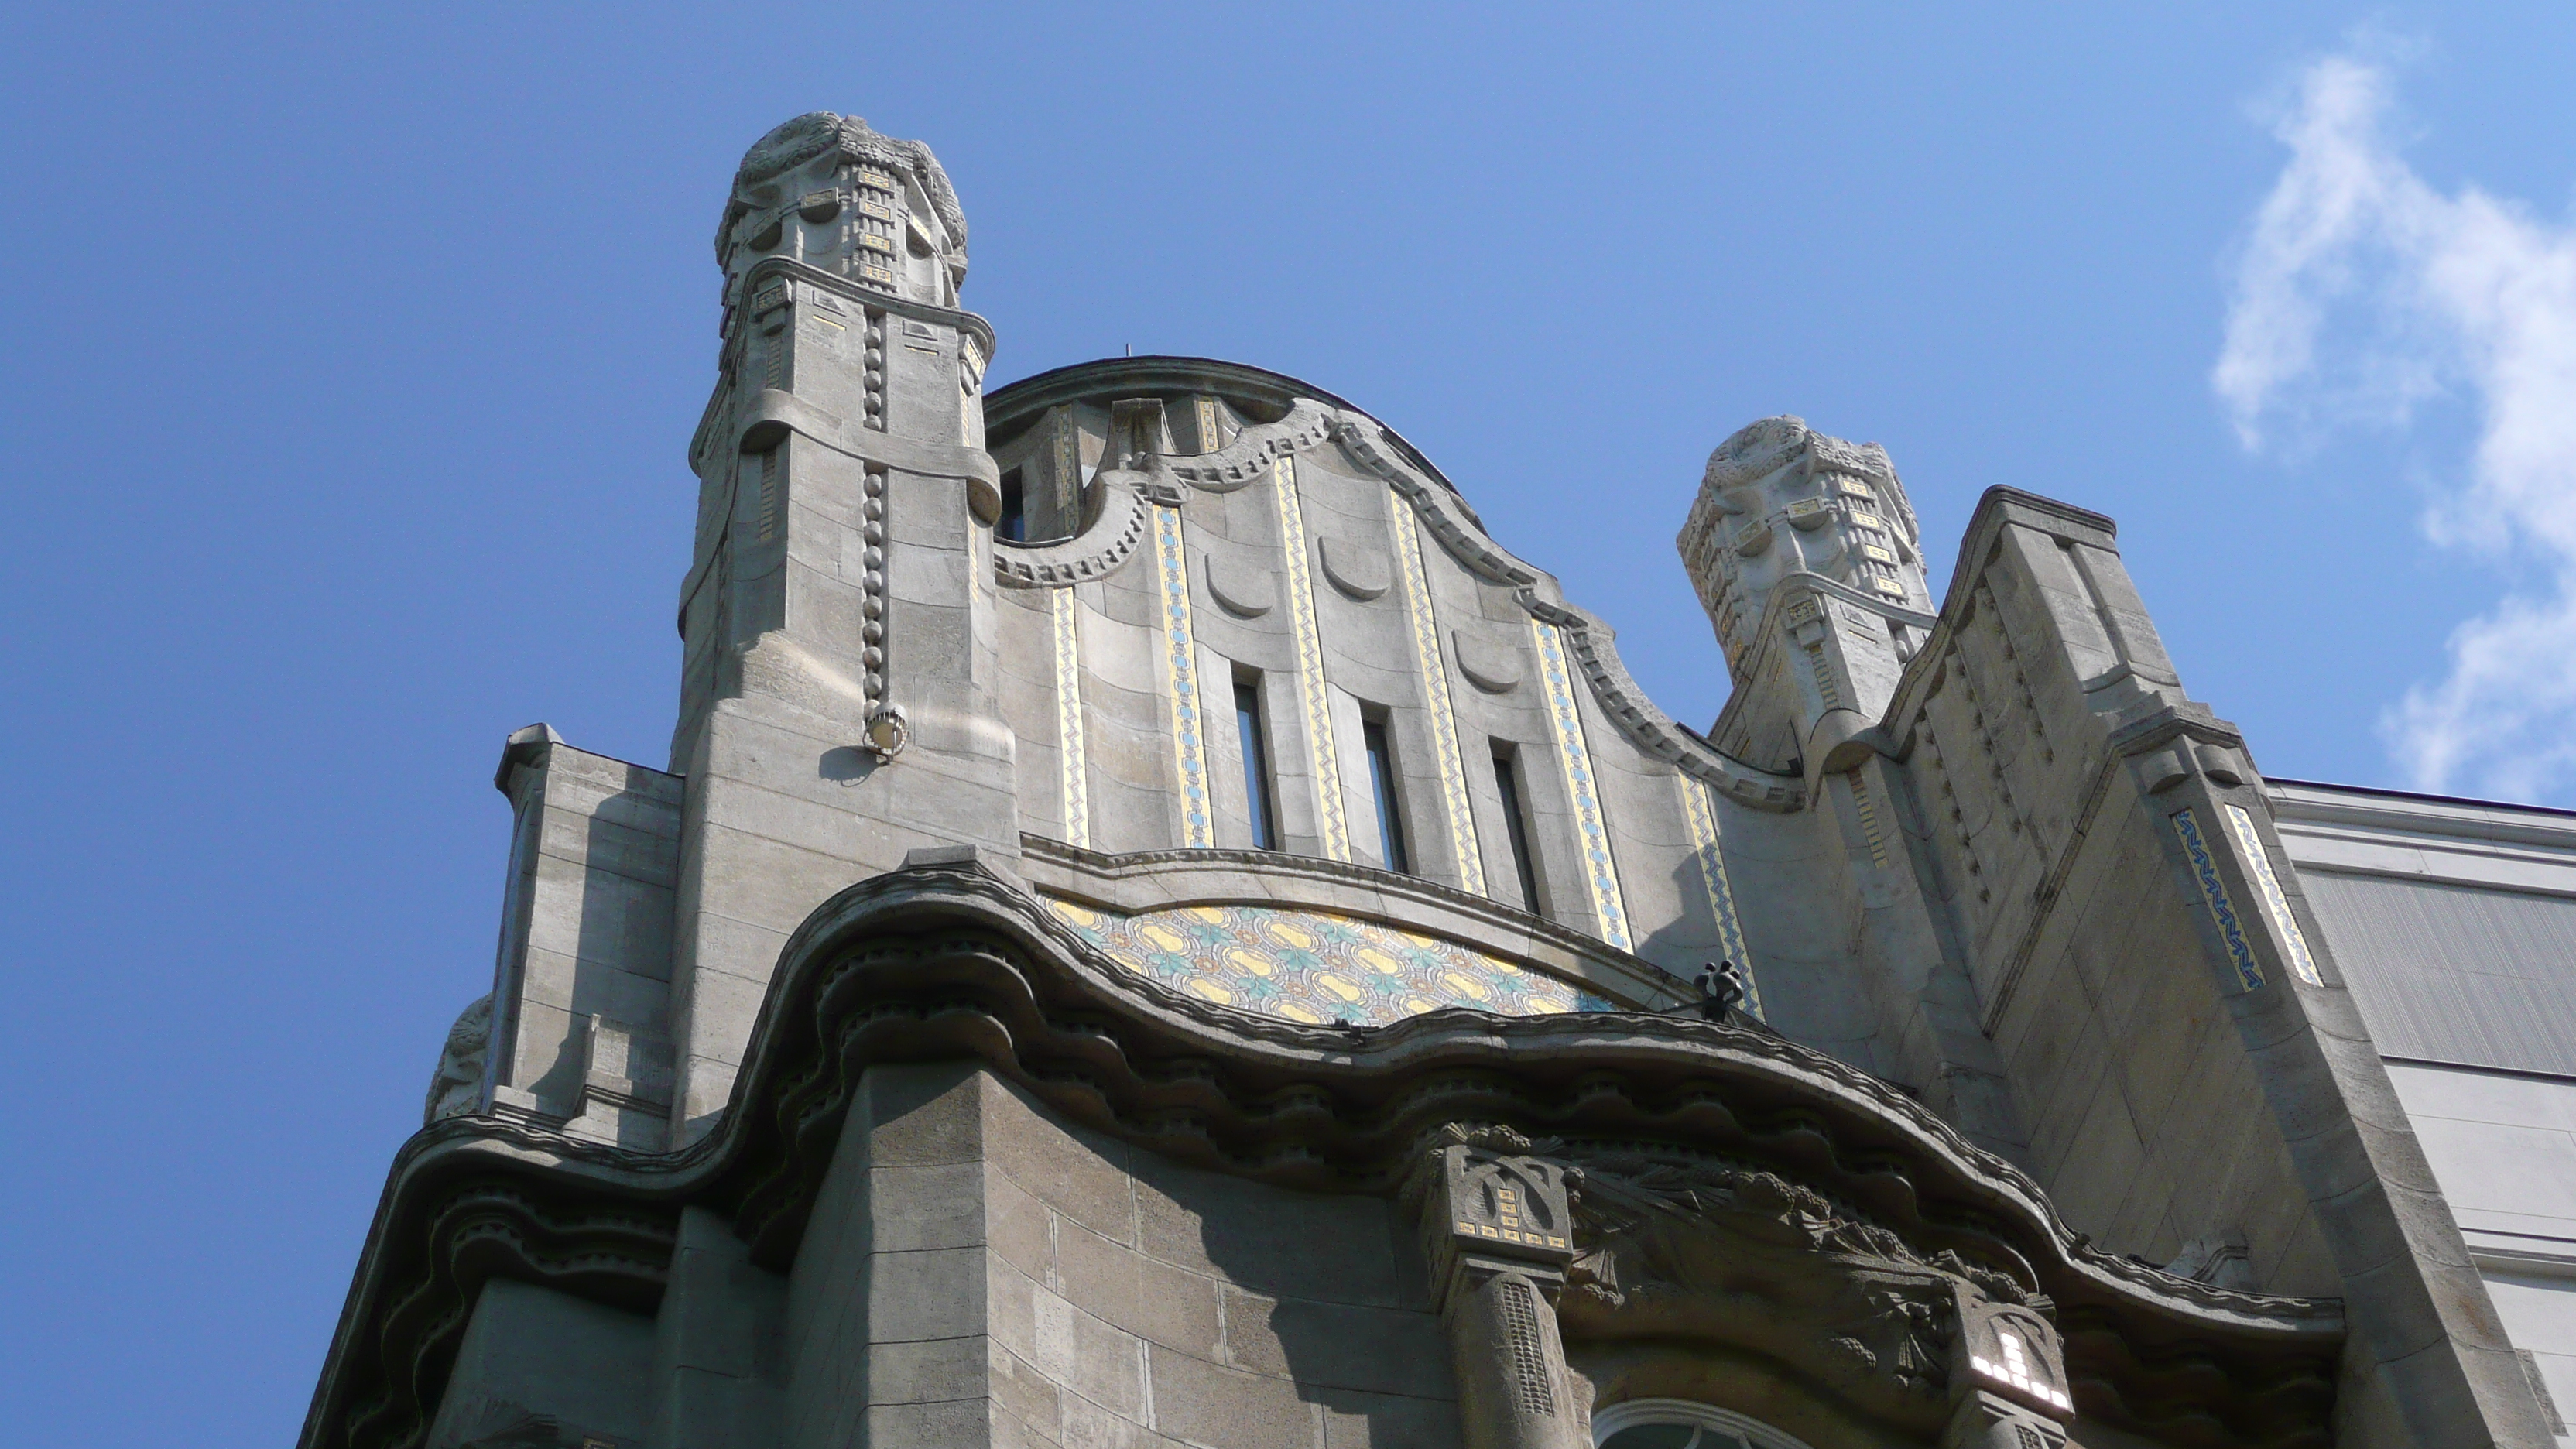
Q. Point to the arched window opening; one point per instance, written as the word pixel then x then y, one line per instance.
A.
pixel 1683 1424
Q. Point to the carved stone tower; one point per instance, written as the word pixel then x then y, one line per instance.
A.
pixel 840 601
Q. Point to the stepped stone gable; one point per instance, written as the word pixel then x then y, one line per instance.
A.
pixel 1157 928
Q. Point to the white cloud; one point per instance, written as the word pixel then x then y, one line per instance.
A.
pixel 2363 291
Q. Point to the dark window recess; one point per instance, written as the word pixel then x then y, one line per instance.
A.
pixel 1256 766
pixel 1390 821
pixel 1014 522
pixel 1515 820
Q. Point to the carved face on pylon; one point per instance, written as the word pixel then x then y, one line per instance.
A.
pixel 1778 499
pixel 827 191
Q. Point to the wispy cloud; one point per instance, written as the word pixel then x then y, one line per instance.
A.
pixel 2364 291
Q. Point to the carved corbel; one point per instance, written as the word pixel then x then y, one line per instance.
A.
pixel 2008 1386
pixel 1499 1233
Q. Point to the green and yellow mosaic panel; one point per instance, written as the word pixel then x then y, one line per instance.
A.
pixel 1317 967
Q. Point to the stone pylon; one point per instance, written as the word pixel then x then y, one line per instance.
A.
pixel 837 701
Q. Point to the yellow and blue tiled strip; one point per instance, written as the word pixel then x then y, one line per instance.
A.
pixel 1436 705
pixel 1072 764
pixel 1317 967
pixel 1582 786
pixel 1314 704
pixel 1181 682
pixel 1702 814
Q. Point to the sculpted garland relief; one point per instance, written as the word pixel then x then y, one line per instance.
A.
pixel 1658 1251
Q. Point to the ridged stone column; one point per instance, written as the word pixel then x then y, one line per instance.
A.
pixel 1498 1235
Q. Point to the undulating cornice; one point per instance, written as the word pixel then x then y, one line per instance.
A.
pixel 953 961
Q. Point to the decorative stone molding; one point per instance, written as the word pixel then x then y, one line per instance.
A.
pixel 416 1292
pixel 1588 640
pixel 1361 571
pixel 1094 553
pixel 1246 459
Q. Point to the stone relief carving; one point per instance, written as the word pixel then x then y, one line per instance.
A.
pixel 1360 571
pixel 1682 1247
pixel 456 1087
pixel 1243 590
pixel 1778 500
pixel 830 191
pixel 1495 671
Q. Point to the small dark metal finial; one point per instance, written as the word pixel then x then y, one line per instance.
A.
pixel 1721 989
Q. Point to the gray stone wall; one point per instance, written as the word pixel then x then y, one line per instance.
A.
pixel 975 1271
pixel 582 1038
pixel 537 1362
pixel 1354 591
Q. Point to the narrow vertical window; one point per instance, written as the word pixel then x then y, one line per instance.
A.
pixel 1507 780
pixel 1256 765
pixel 1390 819
pixel 1014 522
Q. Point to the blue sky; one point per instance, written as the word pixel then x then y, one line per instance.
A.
pixel 354 352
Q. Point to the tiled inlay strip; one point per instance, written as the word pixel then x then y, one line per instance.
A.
pixel 2214 891
pixel 1181 682
pixel 2276 902
pixel 1435 698
pixel 1315 705
pixel 1071 770
pixel 1564 721
pixel 1701 811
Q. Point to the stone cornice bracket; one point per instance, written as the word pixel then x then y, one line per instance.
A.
pixel 529 747
pixel 1247 459
pixel 1095 553
pixel 1498 1232
pixel 2008 1383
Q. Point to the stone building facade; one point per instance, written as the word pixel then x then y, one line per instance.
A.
pixel 1158 930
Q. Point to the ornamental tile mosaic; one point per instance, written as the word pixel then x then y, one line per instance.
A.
pixel 1072 768
pixel 1565 722
pixel 1316 967
pixel 1436 703
pixel 1181 682
pixel 1314 703
pixel 2214 891
pixel 2276 902
pixel 1701 812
